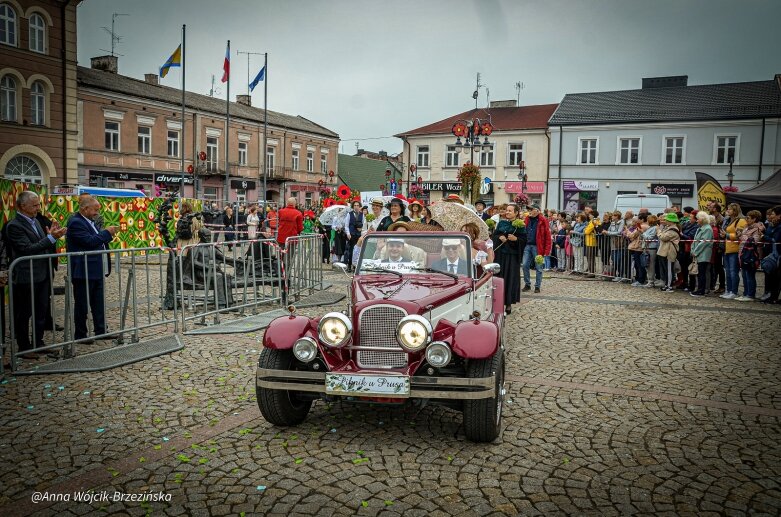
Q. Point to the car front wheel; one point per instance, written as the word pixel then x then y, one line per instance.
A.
pixel 280 407
pixel 483 417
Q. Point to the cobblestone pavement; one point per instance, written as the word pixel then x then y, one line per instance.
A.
pixel 621 400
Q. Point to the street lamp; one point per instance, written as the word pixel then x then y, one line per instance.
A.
pixel 471 131
pixel 522 177
pixel 730 176
pixel 414 181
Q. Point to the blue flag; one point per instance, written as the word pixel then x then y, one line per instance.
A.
pixel 257 79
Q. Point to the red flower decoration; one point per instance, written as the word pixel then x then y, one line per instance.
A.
pixel 202 156
pixel 459 129
pixel 321 182
pixel 343 192
pixel 190 169
pixel 331 174
pixel 486 128
pixel 328 202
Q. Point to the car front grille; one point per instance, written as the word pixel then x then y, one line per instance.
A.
pixel 378 329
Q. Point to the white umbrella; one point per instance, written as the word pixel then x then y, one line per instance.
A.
pixel 453 216
pixel 332 213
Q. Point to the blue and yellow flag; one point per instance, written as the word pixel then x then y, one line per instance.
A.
pixel 174 60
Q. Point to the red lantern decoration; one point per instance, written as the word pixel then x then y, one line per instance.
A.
pixel 202 156
pixel 331 174
pixel 321 182
pixel 190 169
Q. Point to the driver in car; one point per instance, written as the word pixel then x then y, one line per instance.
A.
pixel 453 262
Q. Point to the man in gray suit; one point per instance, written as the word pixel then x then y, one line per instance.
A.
pixel 31 279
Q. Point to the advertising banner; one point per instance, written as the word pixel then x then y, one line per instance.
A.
pixel 708 189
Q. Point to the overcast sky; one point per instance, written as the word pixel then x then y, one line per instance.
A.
pixel 370 69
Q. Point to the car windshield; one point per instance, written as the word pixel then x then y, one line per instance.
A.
pixel 416 254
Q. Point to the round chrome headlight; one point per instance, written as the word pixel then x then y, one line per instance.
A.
pixel 413 333
pixel 438 354
pixel 305 349
pixel 335 329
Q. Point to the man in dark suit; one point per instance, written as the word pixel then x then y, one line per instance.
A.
pixel 452 263
pixel 31 279
pixel 480 207
pixel 88 271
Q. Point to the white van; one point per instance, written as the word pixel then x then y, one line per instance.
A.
pixel 655 203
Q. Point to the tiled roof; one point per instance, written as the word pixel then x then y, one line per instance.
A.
pixel 704 102
pixel 363 174
pixel 89 77
pixel 503 119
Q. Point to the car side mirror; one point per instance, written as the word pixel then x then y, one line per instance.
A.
pixel 492 268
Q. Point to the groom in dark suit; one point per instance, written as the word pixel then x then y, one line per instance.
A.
pixel 88 271
pixel 31 279
pixel 452 263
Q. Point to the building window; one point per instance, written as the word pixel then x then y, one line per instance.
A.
pixel 173 144
pixel 726 149
pixel 629 151
pixel 673 150
pixel 295 159
pixel 8 99
pixel 210 192
pixel 211 153
pixel 38 104
pixel 7 25
pixel 451 156
pixel 37 34
pixel 270 154
pixel 308 199
pixel 242 153
pixel 515 154
pixel 588 151
pixel 323 163
pixel 23 168
pixel 310 161
pixel 145 140
pixel 487 157
pixel 422 156
pixel 112 136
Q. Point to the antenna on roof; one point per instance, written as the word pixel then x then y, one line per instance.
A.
pixel 113 33
pixel 518 87
pixel 213 91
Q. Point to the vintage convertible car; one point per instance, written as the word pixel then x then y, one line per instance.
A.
pixel 422 324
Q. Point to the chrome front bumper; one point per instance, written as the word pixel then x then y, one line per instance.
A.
pixel 454 388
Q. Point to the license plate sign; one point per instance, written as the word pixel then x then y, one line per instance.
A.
pixel 367 385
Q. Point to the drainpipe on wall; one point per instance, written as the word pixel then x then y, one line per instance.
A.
pixel 761 151
pixel 63 12
pixel 547 169
pixel 561 182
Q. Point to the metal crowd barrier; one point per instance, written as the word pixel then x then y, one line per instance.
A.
pixel 128 293
pixel 221 277
pixel 303 265
pixel 610 258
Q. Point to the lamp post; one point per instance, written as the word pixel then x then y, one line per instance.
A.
pixel 414 181
pixel 730 176
pixel 471 131
pixel 522 177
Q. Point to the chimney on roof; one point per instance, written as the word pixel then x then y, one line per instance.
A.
pixel 105 63
pixel 151 79
pixel 672 81
pixel 383 154
pixel 244 99
pixel 504 104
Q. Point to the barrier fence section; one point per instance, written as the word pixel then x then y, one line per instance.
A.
pixel 216 278
pixel 51 303
pixel 303 265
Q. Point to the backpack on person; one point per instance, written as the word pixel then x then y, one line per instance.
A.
pixel 749 258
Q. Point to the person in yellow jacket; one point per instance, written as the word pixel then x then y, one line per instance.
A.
pixel 591 243
pixel 734 227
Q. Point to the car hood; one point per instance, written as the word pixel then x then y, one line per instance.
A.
pixel 424 290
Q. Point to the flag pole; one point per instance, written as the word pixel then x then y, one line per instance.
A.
pixel 227 130
pixel 265 130
pixel 182 140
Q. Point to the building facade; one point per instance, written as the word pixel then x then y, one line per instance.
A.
pixel 653 140
pixel 38 128
pixel 133 136
pixel 519 137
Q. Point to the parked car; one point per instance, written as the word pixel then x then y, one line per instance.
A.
pixel 414 330
pixel 655 203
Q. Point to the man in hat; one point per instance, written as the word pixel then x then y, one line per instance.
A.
pixel 353 226
pixel 395 247
pixel 538 243
pixel 452 263
pixel 480 207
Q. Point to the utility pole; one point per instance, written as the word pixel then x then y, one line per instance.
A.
pixel 248 55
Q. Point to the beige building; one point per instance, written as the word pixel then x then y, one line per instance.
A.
pixel 520 135
pixel 38 127
pixel 131 137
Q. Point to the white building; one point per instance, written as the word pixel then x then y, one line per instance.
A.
pixel 653 140
pixel 519 135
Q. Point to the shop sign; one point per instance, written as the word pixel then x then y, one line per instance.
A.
pixel 243 184
pixel 532 187
pixel 121 176
pixel 449 186
pixel 673 189
pixel 579 185
pixel 173 179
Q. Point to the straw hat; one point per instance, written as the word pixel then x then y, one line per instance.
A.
pixel 453 198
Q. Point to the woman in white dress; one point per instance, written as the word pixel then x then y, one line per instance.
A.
pixel 253 221
pixel 482 251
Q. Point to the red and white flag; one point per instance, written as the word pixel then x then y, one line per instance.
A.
pixel 226 66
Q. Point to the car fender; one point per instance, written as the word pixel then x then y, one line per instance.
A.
pixel 283 332
pixel 476 339
pixel 498 285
